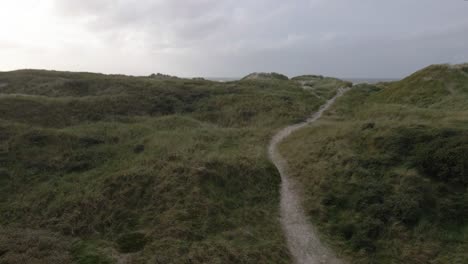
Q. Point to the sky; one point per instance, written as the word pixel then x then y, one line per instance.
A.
pixel 231 38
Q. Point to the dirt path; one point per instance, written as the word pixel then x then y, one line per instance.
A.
pixel 303 241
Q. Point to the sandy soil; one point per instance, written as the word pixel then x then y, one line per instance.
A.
pixel 302 238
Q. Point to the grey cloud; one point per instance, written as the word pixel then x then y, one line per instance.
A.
pixel 364 38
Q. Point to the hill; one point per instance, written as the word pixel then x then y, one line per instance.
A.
pixel 104 168
pixel 433 87
pixel 266 76
pixel 384 172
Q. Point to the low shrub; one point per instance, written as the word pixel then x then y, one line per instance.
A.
pixel 89 253
pixel 131 242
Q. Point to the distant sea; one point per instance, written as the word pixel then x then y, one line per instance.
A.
pixel 369 80
pixel 223 79
pixel 353 80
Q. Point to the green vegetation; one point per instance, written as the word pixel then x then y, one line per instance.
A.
pixel 131 242
pixel 88 253
pixel 155 169
pixel 266 76
pixel 319 85
pixel 385 171
pixel 33 246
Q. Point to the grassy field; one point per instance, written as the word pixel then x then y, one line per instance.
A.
pixel 384 173
pixel 99 168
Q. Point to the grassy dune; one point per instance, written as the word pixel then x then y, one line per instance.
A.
pixel 96 168
pixel 384 173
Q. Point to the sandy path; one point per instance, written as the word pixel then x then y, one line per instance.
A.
pixel 303 241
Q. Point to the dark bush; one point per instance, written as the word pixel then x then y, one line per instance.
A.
pixel 372 192
pixel 165 105
pixel 347 231
pixel 4 174
pixel 89 141
pixel 402 141
pixel 437 153
pixel 465 68
pixel 381 212
pixel 444 159
pixel 131 242
pixel 77 87
pixel 369 125
pixel 406 208
pixel 139 149
pixel 454 209
pixel 368 230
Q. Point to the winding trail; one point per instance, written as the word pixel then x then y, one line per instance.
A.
pixel 302 238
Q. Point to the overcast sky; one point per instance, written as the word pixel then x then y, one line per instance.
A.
pixel 344 38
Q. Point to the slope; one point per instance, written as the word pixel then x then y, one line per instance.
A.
pixel 384 172
pixel 141 169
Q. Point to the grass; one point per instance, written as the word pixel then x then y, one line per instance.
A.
pixel 169 170
pixel 266 76
pixel 88 253
pixel 33 246
pixel 384 172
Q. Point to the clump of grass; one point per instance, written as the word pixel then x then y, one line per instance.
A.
pixel 89 253
pixel 18 246
pixel 131 242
